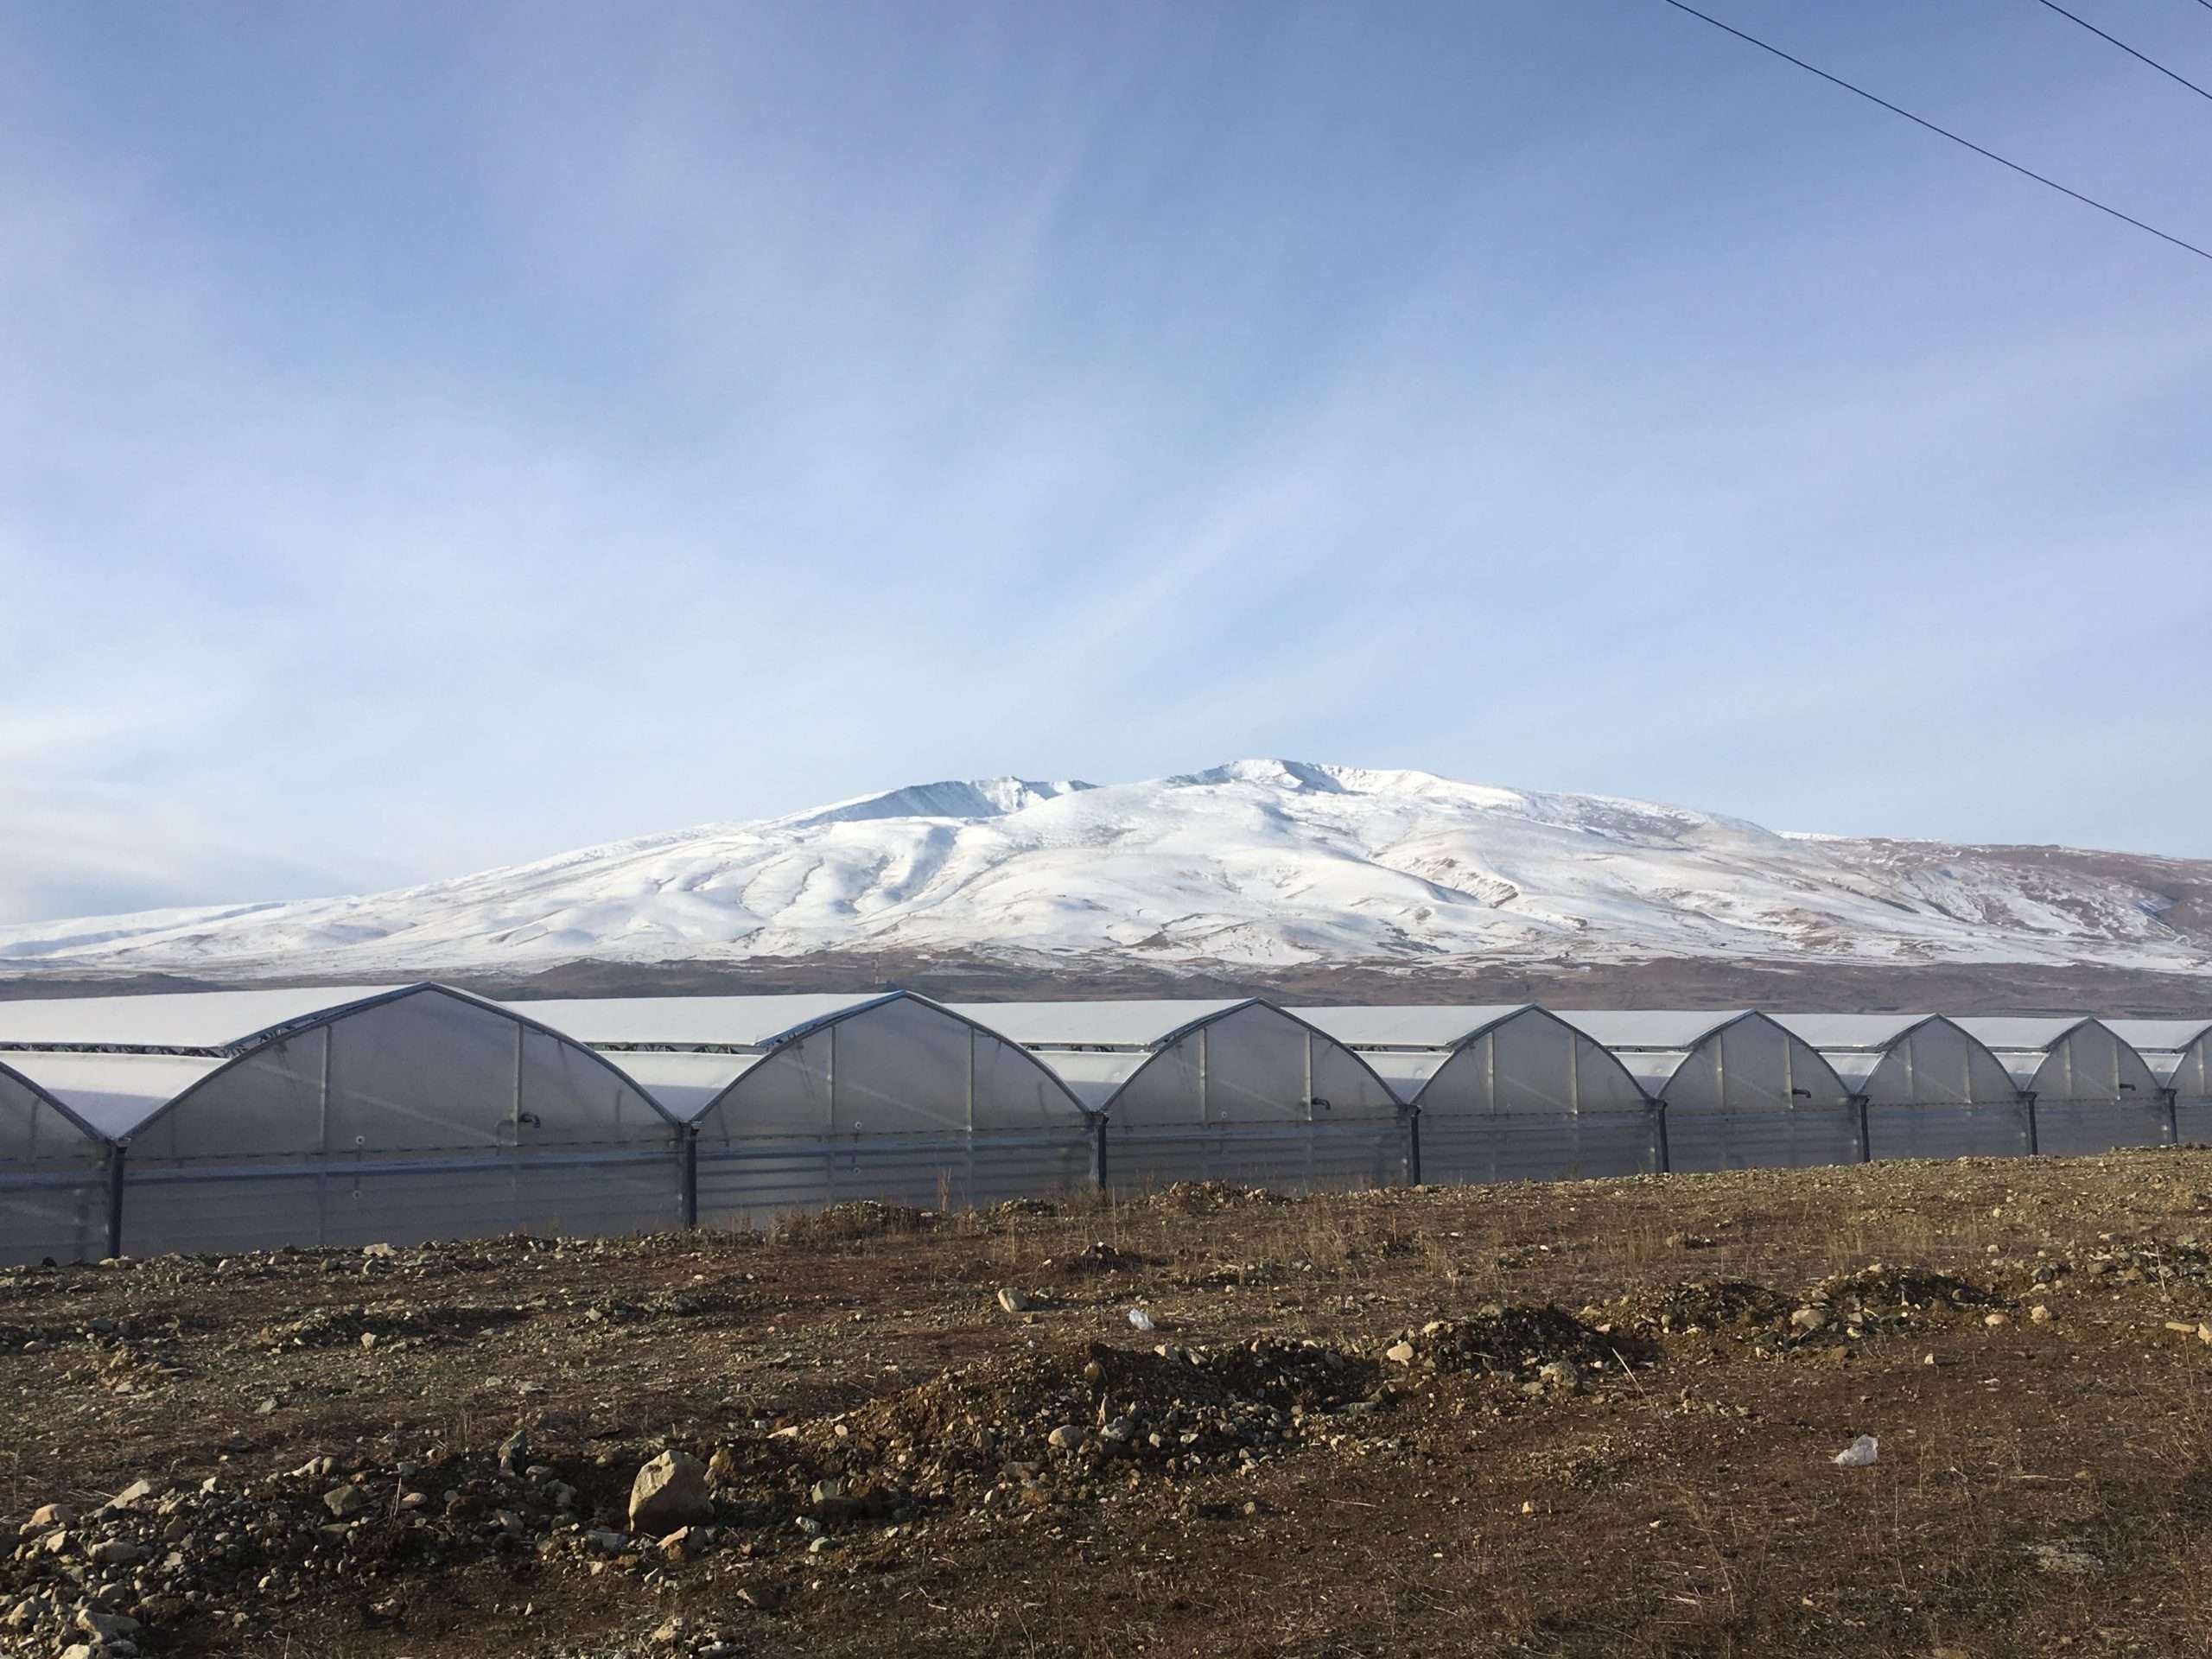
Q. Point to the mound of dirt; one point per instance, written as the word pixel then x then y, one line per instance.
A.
pixel 1211 1198
pixel 863 1219
pixel 1511 1341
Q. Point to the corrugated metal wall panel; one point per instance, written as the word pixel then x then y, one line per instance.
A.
pixel 750 1184
pixel 2064 1127
pixel 1995 1130
pixel 62 1214
pixel 1760 1138
pixel 1537 1146
pixel 1283 1157
pixel 343 1204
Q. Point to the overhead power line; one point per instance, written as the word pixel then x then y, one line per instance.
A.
pixel 2138 56
pixel 1943 132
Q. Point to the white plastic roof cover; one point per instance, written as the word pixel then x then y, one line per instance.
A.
pixel 1523 1062
pixel 686 1081
pixel 2018 1032
pixel 2067 1060
pixel 692 1021
pixel 1840 1032
pixel 1409 1026
pixel 1138 1024
pixel 1651 1028
pixel 35 1127
pixel 2175 1050
pixel 113 1093
pixel 170 1019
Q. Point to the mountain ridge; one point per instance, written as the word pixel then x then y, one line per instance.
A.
pixel 1261 864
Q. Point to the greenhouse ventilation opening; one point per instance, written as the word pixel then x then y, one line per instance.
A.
pixel 2086 1089
pixel 1739 1090
pixel 255 1120
pixel 1929 1088
pixel 795 1102
pixel 1504 1093
pixel 1237 1092
pixel 2179 1055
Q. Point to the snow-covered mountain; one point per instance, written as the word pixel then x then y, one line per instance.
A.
pixel 1260 863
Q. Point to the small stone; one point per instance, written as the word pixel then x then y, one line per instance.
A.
pixel 1065 1438
pixel 1399 1353
pixel 53 1515
pixel 514 1454
pixel 2039 1314
pixel 1014 1301
pixel 132 1495
pixel 671 1491
pixel 378 1252
pixel 1809 1318
pixel 760 1595
pixel 106 1627
pixel 118 1552
pixel 345 1502
pixel 1992 1320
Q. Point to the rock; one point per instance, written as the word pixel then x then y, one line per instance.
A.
pixel 106 1627
pixel 132 1495
pixel 345 1502
pixel 1809 1318
pixel 1992 1320
pixel 671 1491
pixel 761 1595
pixel 683 1543
pixel 1065 1438
pixel 1399 1353
pixel 514 1454
pixel 612 1543
pixel 53 1515
pixel 825 1491
pixel 118 1552
pixel 378 1252
pixel 1014 1301
pixel 722 1468
pixel 2039 1314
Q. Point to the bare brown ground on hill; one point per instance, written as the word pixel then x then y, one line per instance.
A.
pixel 2043 1486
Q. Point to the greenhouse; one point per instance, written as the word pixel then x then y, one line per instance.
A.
pixel 1931 1089
pixel 53 1177
pixel 257 1119
pixel 2179 1055
pixel 799 1102
pixel 2087 1090
pixel 1504 1093
pixel 1231 1091
pixel 1739 1091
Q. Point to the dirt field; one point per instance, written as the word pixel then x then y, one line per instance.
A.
pixel 1577 1419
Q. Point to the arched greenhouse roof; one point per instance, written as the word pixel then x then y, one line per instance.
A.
pixel 691 1052
pixel 37 1125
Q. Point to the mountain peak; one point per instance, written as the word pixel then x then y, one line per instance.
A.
pixel 1337 864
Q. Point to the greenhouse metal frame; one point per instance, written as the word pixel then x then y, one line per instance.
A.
pixel 1503 1092
pixel 796 1103
pixel 1237 1091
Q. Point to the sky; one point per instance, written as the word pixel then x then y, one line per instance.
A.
pixel 433 438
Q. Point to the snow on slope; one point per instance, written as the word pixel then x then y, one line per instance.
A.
pixel 1261 862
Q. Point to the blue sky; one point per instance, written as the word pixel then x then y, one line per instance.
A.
pixel 436 436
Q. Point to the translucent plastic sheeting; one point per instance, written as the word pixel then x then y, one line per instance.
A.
pixel 2193 1120
pixel 57 1209
pixel 1659 1028
pixel 1748 1065
pixel 690 1021
pixel 1406 1026
pixel 1934 1061
pixel 427 1072
pixel 686 1082
pixel 34 1130
pixel 2090 1063
pixel 897 1067
pixel 1407 1070
pixel 346 1203
pixel 170 1019
pixel 114 1093
pixel 1093 1076
pixel 1253 1065
pixel 747 1183
pixel 1073 1025
pixel 1993 1129
pixel 2178 1052
pixel 1528 1063
pixel 1285 1157
pixel 1538 1146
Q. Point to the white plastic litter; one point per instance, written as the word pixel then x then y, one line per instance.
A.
pixel 1860 1452
pixel 1142 1320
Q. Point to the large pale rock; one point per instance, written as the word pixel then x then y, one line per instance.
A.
pixel 671 1491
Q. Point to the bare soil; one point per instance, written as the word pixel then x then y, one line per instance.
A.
pixel 1593 1418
